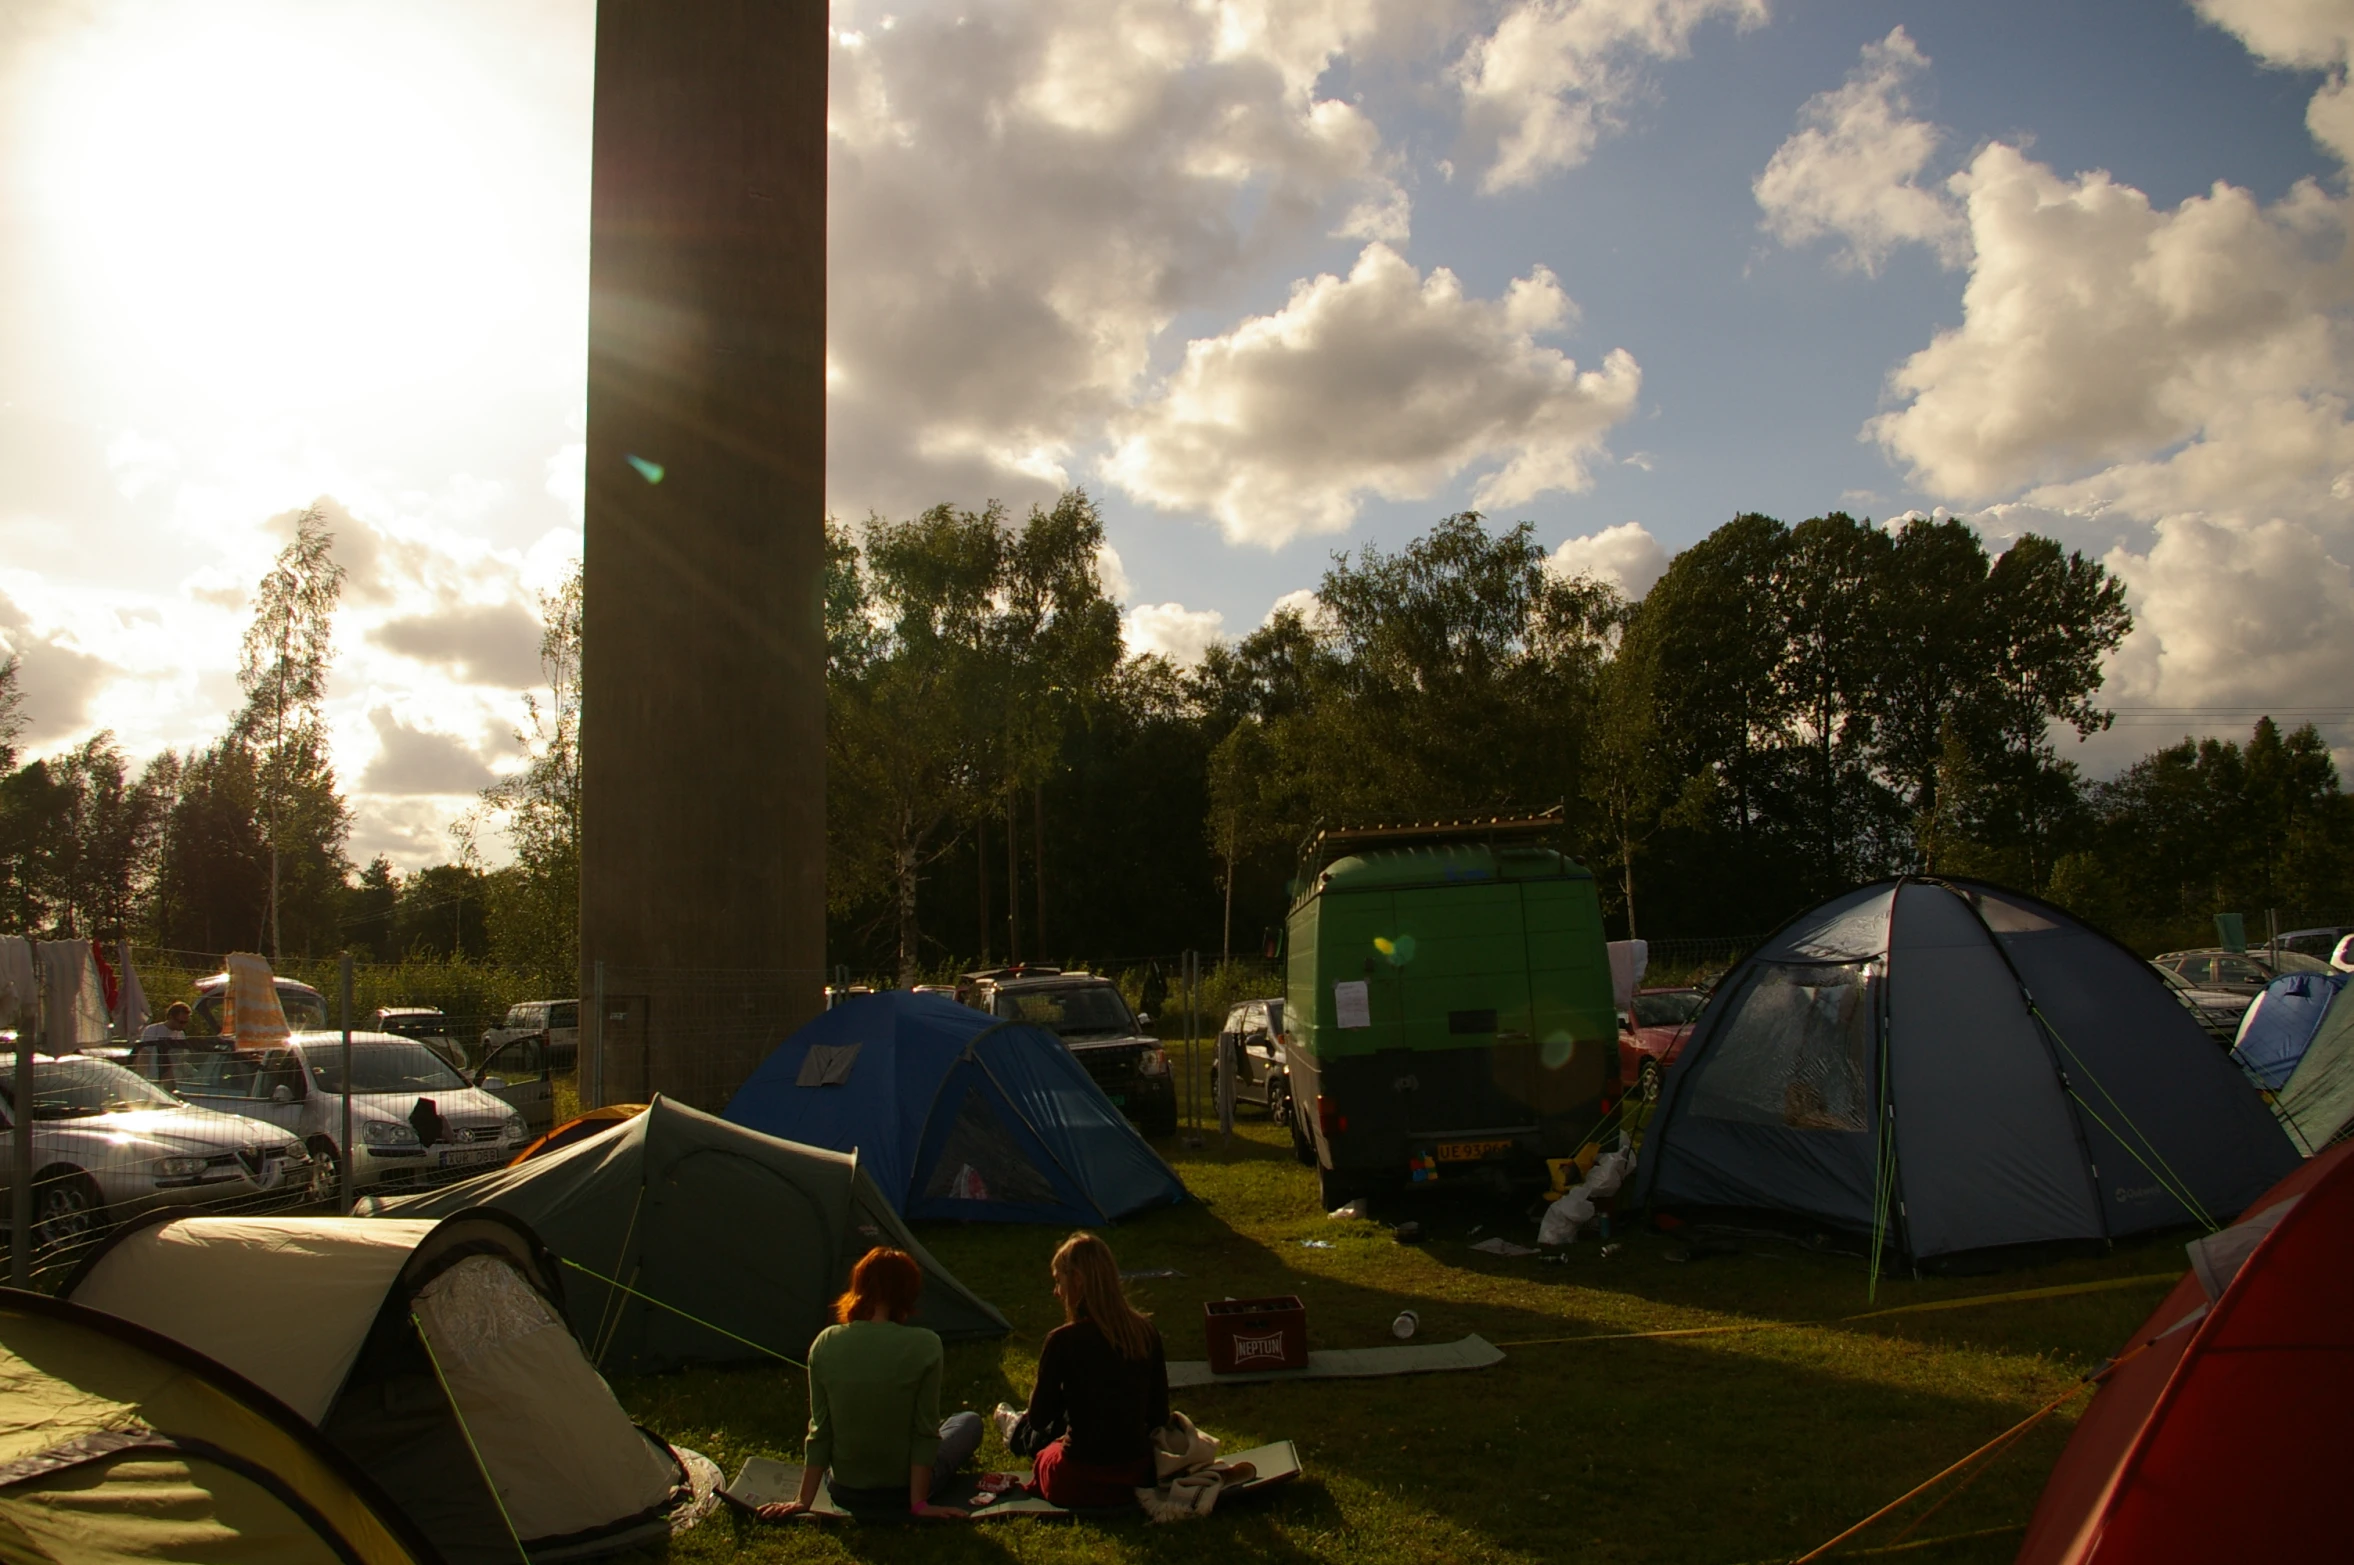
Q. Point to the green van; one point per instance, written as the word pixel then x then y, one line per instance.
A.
pixel 1447 1009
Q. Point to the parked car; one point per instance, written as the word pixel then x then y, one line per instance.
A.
pixel 516 1072
pixel 2319 943
pixel 304 1006
pixel 2241 972
pixel 109 1144
pixel 558 1021
pixel 2218 1010
pixel 1654 1032
pixel 1092 1019
pixel 415 1120
pixel 1248 1046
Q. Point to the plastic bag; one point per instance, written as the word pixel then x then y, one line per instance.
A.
pixel 1354 1209
pixel 1565 1216
pixel 1609 1172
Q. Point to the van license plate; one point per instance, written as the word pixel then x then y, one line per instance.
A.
pixel 1472 1151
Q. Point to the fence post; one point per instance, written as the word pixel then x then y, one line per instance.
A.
pixel 347 1193
pixel 20 1227
pixel 1224 1079
pixel 591 1070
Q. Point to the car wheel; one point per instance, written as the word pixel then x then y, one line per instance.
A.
pixel 1301 1147
pixel 66 1208
pixel 326 1186
pixel 1647 1079
pixel 1279 1102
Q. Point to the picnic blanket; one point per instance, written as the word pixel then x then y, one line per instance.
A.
pixel 1407 1358
pixel 762 1481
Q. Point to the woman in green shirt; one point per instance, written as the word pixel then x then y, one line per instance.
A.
pixel 874 1401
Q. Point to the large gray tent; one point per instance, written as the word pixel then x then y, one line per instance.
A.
pixel 704 1224
pixel 1958 1069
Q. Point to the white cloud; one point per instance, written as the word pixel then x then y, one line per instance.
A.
pixel 2229 613
pixel 2300 35
pixel 1174 631
pixel 2170 389
pixel 477 643
pixel 58 681
pixel 1301 601
pixel 1853 171
pixel 2096 329
pixel 1625 556
pixel 1100 168
pixel 420 761
pixel 1112 575
pixel 1556 75
pixel 1383 382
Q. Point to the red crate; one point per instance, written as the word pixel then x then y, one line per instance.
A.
pixel 1256 1334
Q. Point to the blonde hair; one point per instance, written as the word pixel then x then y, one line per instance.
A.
pixel 1091 1277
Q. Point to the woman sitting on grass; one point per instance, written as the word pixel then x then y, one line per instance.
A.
pixel 874 1401
pixel 1103 1379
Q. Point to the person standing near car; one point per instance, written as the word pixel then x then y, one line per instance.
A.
pixel 154 1053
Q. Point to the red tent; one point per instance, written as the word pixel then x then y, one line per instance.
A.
pixel 2222 1433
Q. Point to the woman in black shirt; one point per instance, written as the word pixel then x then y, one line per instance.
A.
pixel 1103 1378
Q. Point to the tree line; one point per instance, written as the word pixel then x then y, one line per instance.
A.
pixel 1789 710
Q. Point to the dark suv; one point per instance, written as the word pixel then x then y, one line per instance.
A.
pixel 1095 1024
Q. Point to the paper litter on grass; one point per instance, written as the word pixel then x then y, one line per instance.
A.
pixel 1413 1358
pixel 1502 1246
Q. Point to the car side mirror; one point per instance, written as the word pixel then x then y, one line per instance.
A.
pixel 1144 1018
pixel 281 1093
pixel 490 1081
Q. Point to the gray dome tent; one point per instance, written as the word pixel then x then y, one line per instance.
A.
pixel 708 1225
pixel 1955 1070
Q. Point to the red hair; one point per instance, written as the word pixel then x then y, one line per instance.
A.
pixel 885 1277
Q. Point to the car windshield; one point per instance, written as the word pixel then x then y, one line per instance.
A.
pixel 1666 1010
pixel 1095 1011
pixel 2299 962
pixel 380 1066
pixel 81 1088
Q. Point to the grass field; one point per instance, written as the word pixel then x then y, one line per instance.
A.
pixel 1717 1449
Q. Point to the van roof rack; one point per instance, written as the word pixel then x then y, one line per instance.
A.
pixel 1403 834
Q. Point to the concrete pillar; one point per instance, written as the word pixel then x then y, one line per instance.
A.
pixel 703 733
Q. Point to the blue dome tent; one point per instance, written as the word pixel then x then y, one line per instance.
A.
pixel 2280 1025
pixel 956 1114
pixel 1956 1071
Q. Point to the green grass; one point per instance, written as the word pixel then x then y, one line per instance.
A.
pixel 1752 1446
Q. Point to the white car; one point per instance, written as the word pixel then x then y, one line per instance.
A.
pixel 415 1121
pixel 108 1145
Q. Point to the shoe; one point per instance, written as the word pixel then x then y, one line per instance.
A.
pixel 1003 1421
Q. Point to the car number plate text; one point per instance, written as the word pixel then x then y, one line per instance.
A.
pixel 460 1155
pixel 1472 1151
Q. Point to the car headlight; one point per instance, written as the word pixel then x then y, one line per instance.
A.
pixel 513 1128
pixel 1153 1062
pixel 179 1167
pixel 388 1133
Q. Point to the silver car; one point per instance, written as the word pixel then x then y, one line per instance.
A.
pixel 415 1121
pixel 108 1145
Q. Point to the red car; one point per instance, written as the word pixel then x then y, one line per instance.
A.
pixel 1655 1034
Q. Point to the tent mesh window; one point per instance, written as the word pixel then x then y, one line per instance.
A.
pixel 981 1161
pixel 1792 1053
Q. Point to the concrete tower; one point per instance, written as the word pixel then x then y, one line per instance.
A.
pixel 703 735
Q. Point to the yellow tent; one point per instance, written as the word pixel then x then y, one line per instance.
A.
pixel 118 1445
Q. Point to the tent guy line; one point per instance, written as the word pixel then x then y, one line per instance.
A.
pixel 2060 1292
pixel 609 1282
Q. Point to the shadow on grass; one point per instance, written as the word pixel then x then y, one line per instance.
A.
pixel 1713 1450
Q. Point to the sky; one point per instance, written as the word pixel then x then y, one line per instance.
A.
pixel 1270 278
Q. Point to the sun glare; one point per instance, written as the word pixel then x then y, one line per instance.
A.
pixel 285 211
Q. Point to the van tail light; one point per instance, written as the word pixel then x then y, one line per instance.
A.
pixel 1329 1118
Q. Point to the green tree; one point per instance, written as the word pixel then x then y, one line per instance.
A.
pixel 284 674
pixel 534 911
